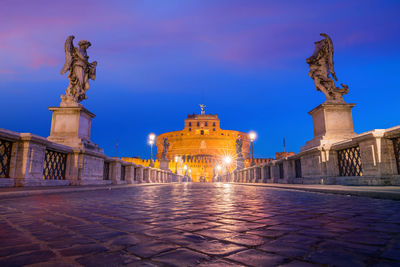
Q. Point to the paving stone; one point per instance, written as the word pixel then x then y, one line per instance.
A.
pixel 69 242
pixel 393 254
pixel 149 249
pixel 267 233
pixel 107 259
pixel 181 257
pixel 28 258
pixel 257 258
pixel 18 249
pixel 217 233
pixel 127 240
pixel 287 251
pixel 246 240
pixel 82 250
pixel 257 226
pixel 336 258
pixel 219 263
pixel 297 263
pixel 215 247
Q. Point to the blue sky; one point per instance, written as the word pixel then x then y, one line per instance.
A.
pixel 157 60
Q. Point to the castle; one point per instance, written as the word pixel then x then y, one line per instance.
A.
pixel 200 148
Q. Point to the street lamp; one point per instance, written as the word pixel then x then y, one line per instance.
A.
pixel 152 138
pixel 227 160
pixel 253 137
pixel 176 164
pixel 185 167
pixel 219 167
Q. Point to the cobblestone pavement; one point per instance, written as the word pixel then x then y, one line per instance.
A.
pixel 199 224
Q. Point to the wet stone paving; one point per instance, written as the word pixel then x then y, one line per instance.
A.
pixel 199 224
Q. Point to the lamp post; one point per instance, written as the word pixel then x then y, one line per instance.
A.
pixel 176 164
pixel 253 137
pixel 185 168
pixel 152 138
pixel 218 170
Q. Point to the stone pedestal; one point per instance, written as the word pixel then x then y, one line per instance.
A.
pixel 164 164
pixel 71 125
pixel 332 122
pixel 239 163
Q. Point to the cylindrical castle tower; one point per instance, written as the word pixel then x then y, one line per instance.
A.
pixel 202 145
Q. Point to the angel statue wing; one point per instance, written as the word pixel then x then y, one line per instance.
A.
pixel 330 56
pixel 69 47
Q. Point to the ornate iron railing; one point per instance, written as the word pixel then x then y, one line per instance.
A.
pixel 54 165
pixel 267 172
pixel 258 173
pixel 396 145
pixel 281 174
pixel 297 168
pixel 5 158
pixel 106 171
pixel 349 160
pixel 122 173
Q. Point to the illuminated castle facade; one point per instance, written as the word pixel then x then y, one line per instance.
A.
pixel 200 147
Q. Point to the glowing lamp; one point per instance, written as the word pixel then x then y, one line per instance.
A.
pixel 227 160
pixel 252 136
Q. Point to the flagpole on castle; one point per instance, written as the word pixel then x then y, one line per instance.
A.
pixel 117 148
pixel 284 145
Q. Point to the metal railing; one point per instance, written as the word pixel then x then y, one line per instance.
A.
pixel 297 168
pixel 54 165
pixel 106 171
pixel 122 173
pixel 281 174
pixel 396 146
pixel 5 158
pixel 349 161
pixel 258 174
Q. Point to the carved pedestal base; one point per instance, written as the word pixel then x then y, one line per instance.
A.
pixel 164 164
pixel 239 164
pixel 332 122
pixel 70 126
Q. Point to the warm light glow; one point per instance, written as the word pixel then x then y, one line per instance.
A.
pixel 219 167
pixel 227 160
pixel 190 170
pixel 185 167
pixel 152 137
pixel 252 136
pixel 176 158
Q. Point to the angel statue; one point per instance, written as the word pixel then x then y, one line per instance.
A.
pixel 80 70
pixel 203 108
pixel 165 148
pixel 322 71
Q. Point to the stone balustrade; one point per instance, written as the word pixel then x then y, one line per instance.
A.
pixel 30 160
pixel 370 158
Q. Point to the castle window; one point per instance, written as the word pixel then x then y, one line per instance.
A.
pixel 190 129
pixel 198 123
pixel 190 124
pixel 214 124
pixel 202 132
pixel 205 124
pixel 214 129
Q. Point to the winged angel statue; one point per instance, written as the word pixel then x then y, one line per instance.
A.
pixel 321 68
pixel 80 70
pixel 166 147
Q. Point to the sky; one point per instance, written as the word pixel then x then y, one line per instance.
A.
pixel 157 60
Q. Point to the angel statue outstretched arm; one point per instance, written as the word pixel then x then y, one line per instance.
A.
pixel 79 68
